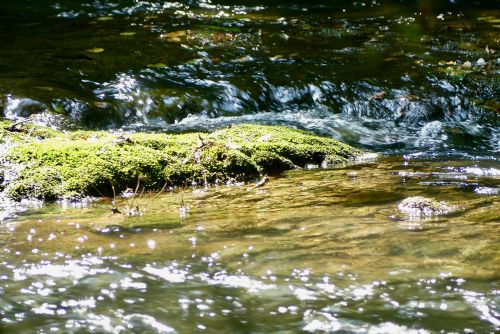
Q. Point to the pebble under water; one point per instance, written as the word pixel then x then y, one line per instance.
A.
pixel 313 251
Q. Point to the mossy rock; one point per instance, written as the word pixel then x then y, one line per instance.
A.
pixel 80 163
pixel 43 182
pixel 271 162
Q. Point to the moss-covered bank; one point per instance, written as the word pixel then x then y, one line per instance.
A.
pixel 47 164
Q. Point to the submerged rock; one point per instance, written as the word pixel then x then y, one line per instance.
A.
pixel 51 165
pixel 418 207
pixel 24 107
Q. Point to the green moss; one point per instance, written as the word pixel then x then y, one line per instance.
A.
pixel 271 162
pixel 176 171
pixel 25 131
pixel 227 162
pixel 56 164
pixel 43 182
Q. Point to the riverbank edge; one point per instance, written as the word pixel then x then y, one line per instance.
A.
pixel 46 164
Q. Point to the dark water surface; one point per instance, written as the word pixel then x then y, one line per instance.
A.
pixel 389 75
pixel 314 251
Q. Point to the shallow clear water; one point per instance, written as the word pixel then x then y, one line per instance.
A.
pixel 314 251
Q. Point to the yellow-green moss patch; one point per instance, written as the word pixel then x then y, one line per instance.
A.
pixel 51 164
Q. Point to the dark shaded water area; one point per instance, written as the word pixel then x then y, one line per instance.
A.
pixel 393 76
pixel 314 251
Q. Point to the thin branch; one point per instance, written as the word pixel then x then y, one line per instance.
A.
pixel 135 191
pixel 156 195
pixel 114 192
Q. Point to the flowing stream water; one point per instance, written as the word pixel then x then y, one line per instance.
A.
pixel 312 251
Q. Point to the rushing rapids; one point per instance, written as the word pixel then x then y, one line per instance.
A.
pixel 389 75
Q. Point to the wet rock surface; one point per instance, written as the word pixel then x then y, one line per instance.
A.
pixel 419 207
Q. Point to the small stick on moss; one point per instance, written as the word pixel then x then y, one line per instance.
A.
pixel 14 126
pixel 196 154
pixel 201 139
